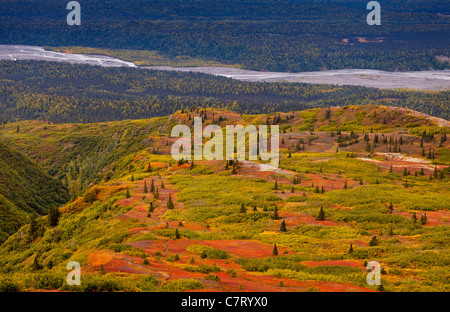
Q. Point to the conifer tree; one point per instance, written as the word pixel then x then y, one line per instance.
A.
pixel 128 193
pixel 145 187
pixel 177 234
pixel 243 209
pixel 275 215
pixel 373 241
pixel 283 226
pixel 321 215
pixel 170 204
pixel 36 266
pixel 162 184
pixel 102 270
pixel 423 219
pixel 414 218
pixel 152 187
pixel 53 216
pixel 275 250
pixel 32 229
pixel 151 208
pixel 351 249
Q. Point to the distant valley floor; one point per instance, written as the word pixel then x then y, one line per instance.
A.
pixel 420 80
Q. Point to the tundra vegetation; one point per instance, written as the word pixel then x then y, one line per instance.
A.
pixel 313 224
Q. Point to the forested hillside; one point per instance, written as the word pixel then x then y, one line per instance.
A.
pixel 24 189
pixel 82 93
pixel 287 35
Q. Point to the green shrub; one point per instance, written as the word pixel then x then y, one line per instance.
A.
pixel 183 284
pixel 45 280
pixel 8 285
pixel 203 268
pixel 210 252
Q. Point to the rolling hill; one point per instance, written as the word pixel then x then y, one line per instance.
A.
pixel 353 186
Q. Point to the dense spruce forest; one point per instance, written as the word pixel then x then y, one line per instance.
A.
pixel 286 35
pixel 62 93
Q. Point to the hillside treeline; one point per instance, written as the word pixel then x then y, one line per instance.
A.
pixel 63 93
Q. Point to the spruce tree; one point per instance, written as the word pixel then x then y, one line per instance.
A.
pixel 351 249
pixel 102 270
pixel 275 214
pixel 423 219
pixel 243 209
pixel 283 227
pixel 145 187
pixel 177 234
pixel 321 215
pixel 373 241
pixel 162 184
pixel 152 187
pixel 170 204
pixel 32 229
pixel 414 218
pixel 36 266
pixel 53 216
pixel 275 250
pixel 128 193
